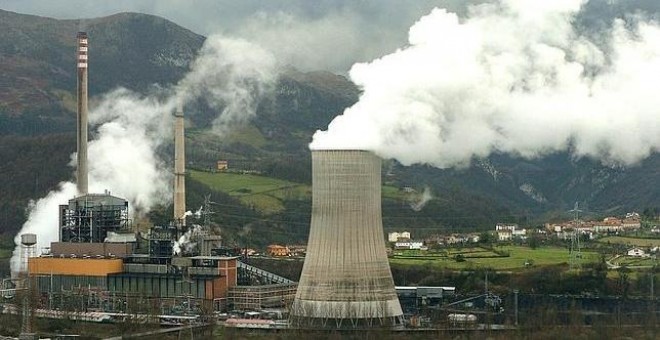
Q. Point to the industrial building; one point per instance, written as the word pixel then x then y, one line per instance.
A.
pixel 99 263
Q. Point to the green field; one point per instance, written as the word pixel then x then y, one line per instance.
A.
pixel 631 241
pixel 247 134
pixel 518 256
pixel 391 192
pixel 264 193
pixel 631 261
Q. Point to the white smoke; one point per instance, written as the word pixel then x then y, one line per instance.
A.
pixel 123 157
pixel 197 214
pixel 417 201
pixel 513 76
pixel 230 74
pixel 187 242
pixel 42 221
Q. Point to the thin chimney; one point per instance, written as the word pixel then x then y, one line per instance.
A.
pixel 81 175
pixel 179 167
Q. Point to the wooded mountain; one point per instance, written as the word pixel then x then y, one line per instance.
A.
pixel 37 124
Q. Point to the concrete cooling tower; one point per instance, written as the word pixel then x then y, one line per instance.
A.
pixel 346 280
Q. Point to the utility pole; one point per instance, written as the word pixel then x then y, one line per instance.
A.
pixel 486 282
pixel 655 267
pixel 515 303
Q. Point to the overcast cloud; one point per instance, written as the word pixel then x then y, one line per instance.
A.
pixel 310 35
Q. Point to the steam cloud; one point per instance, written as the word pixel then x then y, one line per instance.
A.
pixel 417 201
pixel 512 77
pixel 230 74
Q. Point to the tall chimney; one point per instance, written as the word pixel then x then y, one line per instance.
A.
pixel 346 280
pixel 179 168
pixel 81 175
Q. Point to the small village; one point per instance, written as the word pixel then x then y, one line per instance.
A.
pixel 624 241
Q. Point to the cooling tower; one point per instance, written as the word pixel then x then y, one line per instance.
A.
pixel 346 280
pixel 81 56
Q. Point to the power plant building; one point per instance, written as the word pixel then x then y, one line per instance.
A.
pixel 346 280
pixel 97 250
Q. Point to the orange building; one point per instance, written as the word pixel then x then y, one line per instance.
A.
pixel 277 250
pixel 74 266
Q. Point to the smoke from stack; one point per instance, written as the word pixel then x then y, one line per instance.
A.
pixel 231 74
pixel 82 58
pixel 511 77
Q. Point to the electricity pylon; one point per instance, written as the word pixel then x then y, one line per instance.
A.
pixel 575 254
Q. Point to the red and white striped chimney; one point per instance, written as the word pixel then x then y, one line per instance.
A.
pixel 82 58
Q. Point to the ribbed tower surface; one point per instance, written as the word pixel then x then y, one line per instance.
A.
pixel 346 280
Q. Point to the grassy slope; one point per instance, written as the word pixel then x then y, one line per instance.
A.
pixel 631 241
pixel 266 194
pixel 247 134
pixel 518 255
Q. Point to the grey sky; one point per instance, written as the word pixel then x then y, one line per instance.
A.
pixel 309 34
pixel 320 34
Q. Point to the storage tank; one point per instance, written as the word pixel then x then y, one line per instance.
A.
pixel 28 239
pixel 346 280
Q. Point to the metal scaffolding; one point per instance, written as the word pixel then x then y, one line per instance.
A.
pixel 89 218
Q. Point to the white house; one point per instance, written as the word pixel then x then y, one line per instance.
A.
pixel 631 223
pixel 520 233
pixel 396 236
pixel 502 226
pixel 506 232
pixel 409 245
pixel 504 235
pixel 637 252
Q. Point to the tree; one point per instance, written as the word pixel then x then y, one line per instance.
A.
pixel 486 238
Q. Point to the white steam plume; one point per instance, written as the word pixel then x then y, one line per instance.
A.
pixel 186 243
pixel 229 74
pixel 232 75
pixel 417 201
pixel 513 77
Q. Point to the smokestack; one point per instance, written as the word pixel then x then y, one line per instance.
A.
pixel 179 168
pixel 346 280
pixel 81 175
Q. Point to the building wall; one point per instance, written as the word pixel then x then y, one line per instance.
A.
pixel 73 266
pixel 160 286
pixel 228 278
pixel 119 250
pixel 56 283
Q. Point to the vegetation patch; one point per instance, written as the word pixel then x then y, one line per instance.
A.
pixel 632 261
pixel 264 194
pixel 501 258
pixel 631 241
